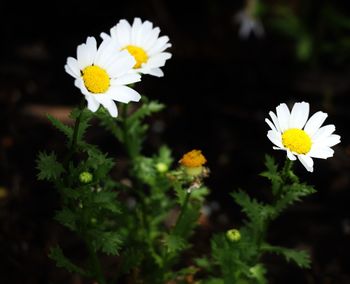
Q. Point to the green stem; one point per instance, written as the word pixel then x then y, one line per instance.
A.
pixel 183 210
pixel 95 263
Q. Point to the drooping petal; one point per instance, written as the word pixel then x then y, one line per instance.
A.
pixel 307 162
pixel 275 121
pixel 93 104
pixel 291 156
pixel 124 94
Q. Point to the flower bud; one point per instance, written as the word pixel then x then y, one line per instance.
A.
pixel 85 177
pixel 233 235
pixel 162 167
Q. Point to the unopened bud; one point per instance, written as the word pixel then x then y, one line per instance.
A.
pixel 233 235
pixel 85 177
pixel 162 167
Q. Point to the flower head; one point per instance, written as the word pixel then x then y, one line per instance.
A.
pixel 193 159
pixel 299 136
pixel 102 75
pixel 193 162
pixel 141 40
pixel 85 177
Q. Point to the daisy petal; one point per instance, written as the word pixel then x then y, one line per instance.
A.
pixel 275 121
pixel 291 156
pixel 323 132
pixel 331 140
pixel 124 94
pixel 275 138
pixel 93 105
pixel 307 162
pixel 299 115
pixel 321 152
pixel 315 122
pixel 270 124
pixel 283 115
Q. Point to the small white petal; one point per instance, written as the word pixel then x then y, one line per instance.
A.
pixel 86 53
pixel 299 115
pixel 323 132
pixel 315 122
pixel 108 104
pixel 321 152
pixel 153 71
pixel 271 125
pixel 275 138
pixel 121 65
pixel 93 105
pixel 157 60
pixel 126 79
pixel 124 94
pixel 307 162
pixel 275 120
pixel 160 45
pixel 136 27
pixel 122 32
pixel 151 40
pixel 331 140
pixel 73 66
pixel 283 115
pixel 290 155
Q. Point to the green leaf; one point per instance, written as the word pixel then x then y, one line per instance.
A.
pixel 108 242
pixel 257 212
pixel 67 218
pixel 106 200
pixel 301 258
pixel 258 272
pixel 174 243
pixel 48 166
pixel 56 254
pixel 65 129
pixel 85 117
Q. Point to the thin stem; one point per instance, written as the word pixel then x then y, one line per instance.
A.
pixel 183 210
pixel 95 263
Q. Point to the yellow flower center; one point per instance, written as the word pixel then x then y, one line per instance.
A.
pixel 139 54
pixel 96 79
pixel 193 159
pixel 296 140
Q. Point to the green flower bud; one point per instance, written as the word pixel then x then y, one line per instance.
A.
pixel 233 235
pixel 162 167
pixel 85 177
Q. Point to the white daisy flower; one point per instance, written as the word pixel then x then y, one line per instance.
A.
pixel 102 75
pixel 142 41
pixel 300 137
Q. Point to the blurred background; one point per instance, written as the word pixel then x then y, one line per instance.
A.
pixel 233 62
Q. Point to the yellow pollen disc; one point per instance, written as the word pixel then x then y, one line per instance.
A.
pixel 193 159
pixel 96 79
pixel 139 54
pixel 296 140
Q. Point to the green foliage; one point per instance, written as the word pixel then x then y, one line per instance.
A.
pixel 174 243
pixel 301 258
pixel 49 168
pixel 57 255
pixel 67 218
pixel 108 242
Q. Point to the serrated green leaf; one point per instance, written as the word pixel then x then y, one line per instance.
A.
pixel 57 255
pixel 48 166
pixel 301 258
pixel 174 243
pixel 106 200
pixel 108 242
pixel 258 272
pixel 67 218
pixel 257 212
pixel 65 129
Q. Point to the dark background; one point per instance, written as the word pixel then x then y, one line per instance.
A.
pixel 218 89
